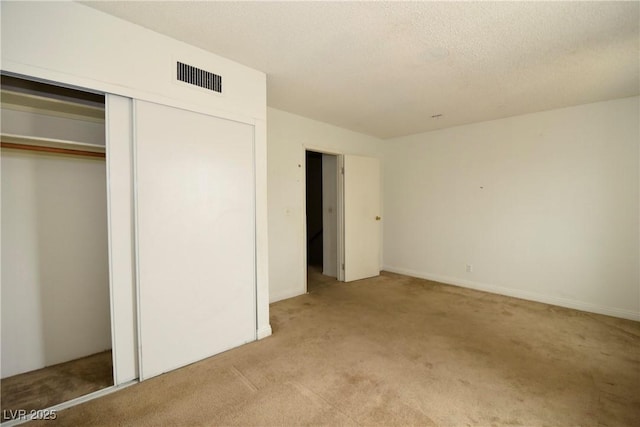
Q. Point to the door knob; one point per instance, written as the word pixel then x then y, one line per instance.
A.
pixel 378 218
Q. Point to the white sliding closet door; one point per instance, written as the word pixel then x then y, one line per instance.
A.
pixel 196 236
pixel 119 125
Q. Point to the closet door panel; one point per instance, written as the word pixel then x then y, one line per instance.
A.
pixel 119 124
pixel 195 236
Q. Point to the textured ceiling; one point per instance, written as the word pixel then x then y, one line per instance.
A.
pixel 385 68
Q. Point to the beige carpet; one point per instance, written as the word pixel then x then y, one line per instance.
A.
pixel 56 384
pixel 316 280
pixel 400 351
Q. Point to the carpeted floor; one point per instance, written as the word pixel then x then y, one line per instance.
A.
pixel 394 350
pixel 56 384
pixel 316 280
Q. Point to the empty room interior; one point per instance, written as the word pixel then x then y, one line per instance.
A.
pixel 320 213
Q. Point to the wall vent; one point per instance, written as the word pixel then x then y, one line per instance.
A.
pixel 196 76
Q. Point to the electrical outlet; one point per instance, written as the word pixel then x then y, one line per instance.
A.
pixel 469 268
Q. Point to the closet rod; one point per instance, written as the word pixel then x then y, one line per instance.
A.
pixel 51 149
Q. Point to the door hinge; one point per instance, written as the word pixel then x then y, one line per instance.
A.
pixel 342 171
pixel 343 266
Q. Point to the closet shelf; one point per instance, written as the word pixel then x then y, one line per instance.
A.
pixel 33 143
pixel 51 106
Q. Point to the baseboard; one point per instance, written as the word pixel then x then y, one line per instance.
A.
pixel 517 293
pixel 264 332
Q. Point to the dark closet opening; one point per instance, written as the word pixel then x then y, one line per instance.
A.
pixel 314 209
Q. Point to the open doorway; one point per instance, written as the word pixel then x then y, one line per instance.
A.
pixel 56 322
pixel 322 218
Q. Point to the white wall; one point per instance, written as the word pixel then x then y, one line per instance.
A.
pixel 42 39
pixel 55 289
pixel 544 206
pixel 288 136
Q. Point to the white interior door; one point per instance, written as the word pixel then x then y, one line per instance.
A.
pixel 361 217
pixel 195 236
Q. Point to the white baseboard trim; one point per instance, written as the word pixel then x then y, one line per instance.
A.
pixel 264 332
pixel 517 293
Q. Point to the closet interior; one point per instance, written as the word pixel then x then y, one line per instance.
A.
pixel 55 313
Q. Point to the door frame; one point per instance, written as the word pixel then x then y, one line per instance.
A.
pixel 339 209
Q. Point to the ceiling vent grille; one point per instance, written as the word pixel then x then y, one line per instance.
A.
pixel 196 76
